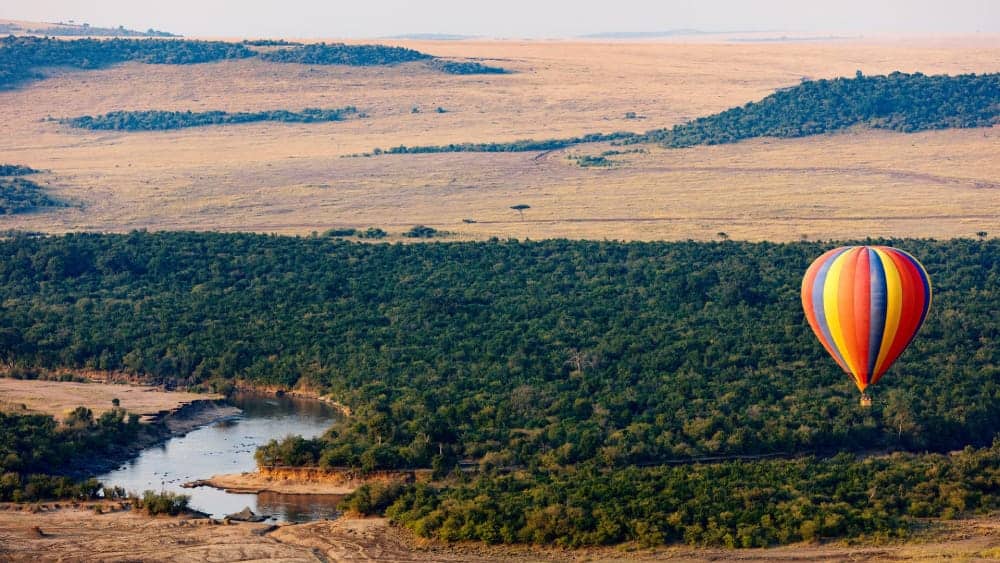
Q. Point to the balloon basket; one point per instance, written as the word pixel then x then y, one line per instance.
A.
pixel 866 400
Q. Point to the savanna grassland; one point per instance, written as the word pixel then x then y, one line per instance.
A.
pixel 648 391
pixel 297 178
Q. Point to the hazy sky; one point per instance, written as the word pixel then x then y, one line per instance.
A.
pixel 514 18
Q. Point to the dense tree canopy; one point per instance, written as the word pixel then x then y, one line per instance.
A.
pixel 34 445
pixel 541 353
pixel 900 102
pixel 583 379
pixel 730 504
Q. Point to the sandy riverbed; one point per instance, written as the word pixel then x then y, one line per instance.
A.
pixel 254 482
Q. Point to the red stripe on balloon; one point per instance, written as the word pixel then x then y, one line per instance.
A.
pixel 912 305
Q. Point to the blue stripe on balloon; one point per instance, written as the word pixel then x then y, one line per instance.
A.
pixel 877 310
pixel 818 310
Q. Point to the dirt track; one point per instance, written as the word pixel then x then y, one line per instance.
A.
pixel 77 534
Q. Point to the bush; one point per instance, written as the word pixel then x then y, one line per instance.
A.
pixel 340 232
pixel 421 231
pixel 373 233
pixel 164 502
pixel 373 498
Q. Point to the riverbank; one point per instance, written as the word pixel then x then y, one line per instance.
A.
pixel 59 398
pixel 164 414
pixel 303 481
pixel 76 533
pixel 299 392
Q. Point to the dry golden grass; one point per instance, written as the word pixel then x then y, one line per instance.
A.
pixel 59 398
pixel 292 178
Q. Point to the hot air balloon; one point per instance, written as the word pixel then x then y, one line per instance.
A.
pixel 865 304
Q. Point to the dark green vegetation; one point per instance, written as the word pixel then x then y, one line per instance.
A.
pixel 16 170
pixel 602 160
pixel 70 30
pixel 34 445
pixel 270 43
pixel 343 54
pixel 162 120
pixel 21 57
pixel 515 146
pixel 551 352
pixel 899 102
pixel 593 161
pixel 422 231
pixel 345 232
pixel 20 195
pixel 574 374
pixel 164 502
pixel 731 504
pixel 467 67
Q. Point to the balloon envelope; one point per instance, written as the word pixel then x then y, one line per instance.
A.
pixel 865 304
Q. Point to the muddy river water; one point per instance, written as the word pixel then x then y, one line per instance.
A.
pixel 228 447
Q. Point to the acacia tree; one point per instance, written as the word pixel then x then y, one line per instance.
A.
pixel 520 209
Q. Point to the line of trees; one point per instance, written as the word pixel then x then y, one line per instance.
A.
pixel 525 145
pixel 22 56
pixel 343 54
pixel 71 30
pixel 467 67
pixel 155 120
pixel 899 102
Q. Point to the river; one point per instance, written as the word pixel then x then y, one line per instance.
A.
pixel 228 447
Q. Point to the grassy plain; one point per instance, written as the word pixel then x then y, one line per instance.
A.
pixel 59 398
pixel 294 178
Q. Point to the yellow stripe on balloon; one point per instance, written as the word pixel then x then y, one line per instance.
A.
pixel 831 288
pixel 893 307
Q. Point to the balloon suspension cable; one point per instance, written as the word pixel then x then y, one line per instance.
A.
pixel 866 400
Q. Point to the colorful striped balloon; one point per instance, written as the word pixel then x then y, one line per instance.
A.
pixel 865 304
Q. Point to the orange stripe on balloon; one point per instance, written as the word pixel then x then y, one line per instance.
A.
pixel 845 311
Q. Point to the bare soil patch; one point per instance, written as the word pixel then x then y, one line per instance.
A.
pixel 58 398
pixel 77 534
